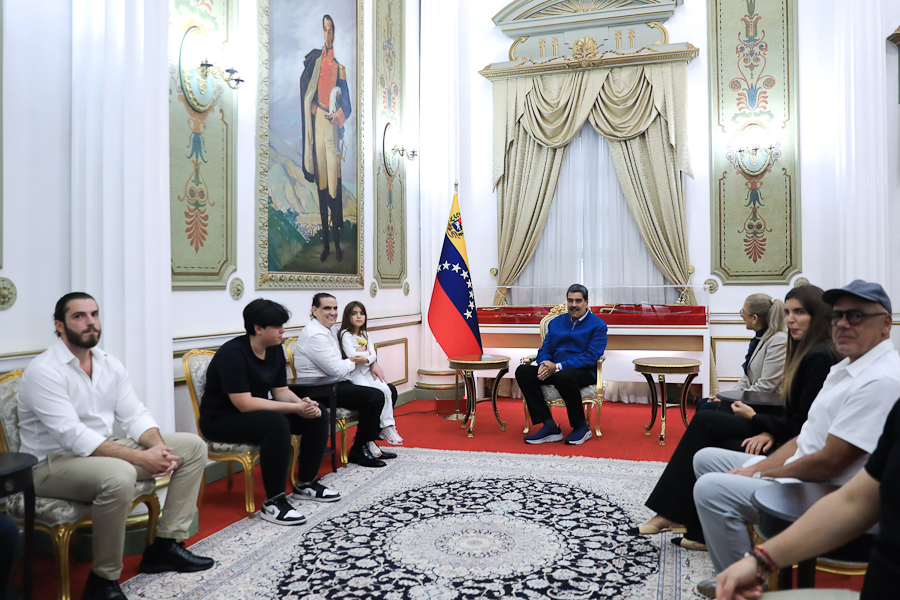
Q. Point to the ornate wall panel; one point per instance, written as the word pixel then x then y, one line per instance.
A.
pixel 202 127
pixel 755 151
pixel 390 174
pixel 309 217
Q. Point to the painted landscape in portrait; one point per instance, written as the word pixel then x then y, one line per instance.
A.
pixel 296 238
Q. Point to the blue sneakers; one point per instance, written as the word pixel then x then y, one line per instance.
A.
pixel 579 435
pixel 549 432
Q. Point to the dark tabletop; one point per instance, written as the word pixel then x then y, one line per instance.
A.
pixel 13 462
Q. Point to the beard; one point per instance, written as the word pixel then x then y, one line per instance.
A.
pixel 76 339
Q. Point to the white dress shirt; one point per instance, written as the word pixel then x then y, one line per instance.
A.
pixel 853 405
pixel 320 353
pixel 61 409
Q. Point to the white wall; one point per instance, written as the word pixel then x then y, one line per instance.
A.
pixel 36 169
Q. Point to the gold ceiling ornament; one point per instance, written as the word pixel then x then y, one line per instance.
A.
pixel 8 293
pixel 586 47
pixel 662 29
pixel 568 7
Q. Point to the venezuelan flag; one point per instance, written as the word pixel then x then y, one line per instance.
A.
pixel 452 316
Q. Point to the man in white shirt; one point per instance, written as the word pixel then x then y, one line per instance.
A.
pixel 71 397
pixel 839 434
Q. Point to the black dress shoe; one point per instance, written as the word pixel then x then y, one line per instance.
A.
pixel 362 457
pixel 174 558
pixel 98 588
pixel 385 455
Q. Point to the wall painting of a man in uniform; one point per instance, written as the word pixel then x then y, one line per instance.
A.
pixel 313 203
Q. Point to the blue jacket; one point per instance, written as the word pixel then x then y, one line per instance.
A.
pixel 575 345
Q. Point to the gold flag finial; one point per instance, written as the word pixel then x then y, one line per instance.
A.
pixel 456 187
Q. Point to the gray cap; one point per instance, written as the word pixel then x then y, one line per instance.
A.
pixel 861 289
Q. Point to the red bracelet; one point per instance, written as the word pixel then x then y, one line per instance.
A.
pixel 763 554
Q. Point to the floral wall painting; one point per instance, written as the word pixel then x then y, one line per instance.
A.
pixel 390 183
pixel 202 143
pixel 310 180
pixel 755 152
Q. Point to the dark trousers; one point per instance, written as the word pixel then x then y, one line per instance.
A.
pixel 272 431
pixel 9 545
pixel 568 382
pixel 673 496
pixel 368 401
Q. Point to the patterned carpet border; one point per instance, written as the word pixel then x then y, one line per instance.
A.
pixel 451 524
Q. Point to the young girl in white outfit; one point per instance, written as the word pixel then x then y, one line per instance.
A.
pixel 354 341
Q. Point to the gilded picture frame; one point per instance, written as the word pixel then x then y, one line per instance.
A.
pixel 310 186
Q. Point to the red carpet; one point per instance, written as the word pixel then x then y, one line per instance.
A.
pixel 622 426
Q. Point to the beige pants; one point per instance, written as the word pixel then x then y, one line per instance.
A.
pixel 328 163
pixel 812 595
pixel 108 483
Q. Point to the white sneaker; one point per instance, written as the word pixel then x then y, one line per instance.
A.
pixel 315 491
pixel 390 435
pixel 374 449
pixel 279 511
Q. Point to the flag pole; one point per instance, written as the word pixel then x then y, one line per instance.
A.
pixel 457 414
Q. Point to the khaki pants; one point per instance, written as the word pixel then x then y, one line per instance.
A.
pixel 108 483
pixel 328 163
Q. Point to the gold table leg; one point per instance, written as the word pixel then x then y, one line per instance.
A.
pixel 494 390
pixel 472 400
pixel 653 401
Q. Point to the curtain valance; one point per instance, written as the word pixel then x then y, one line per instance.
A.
pixel 619 102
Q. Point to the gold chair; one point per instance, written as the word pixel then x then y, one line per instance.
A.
pixel 343 416
pixel 591 395
pixel 195 364
pixel 59 518
pixel 827 565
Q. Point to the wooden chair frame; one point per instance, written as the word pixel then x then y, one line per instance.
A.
pixel 63 534
pixel 588 403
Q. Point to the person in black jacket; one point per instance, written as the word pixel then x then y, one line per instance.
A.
pixel 810 356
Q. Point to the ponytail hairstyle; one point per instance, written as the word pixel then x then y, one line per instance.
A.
pixel 770 312
pixel 345 323
pixel 817 334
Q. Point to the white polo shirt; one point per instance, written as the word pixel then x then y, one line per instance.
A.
pixel 853 405
pixel 61 409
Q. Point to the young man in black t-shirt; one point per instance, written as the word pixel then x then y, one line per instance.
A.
pixel 873 495
pixel 236 408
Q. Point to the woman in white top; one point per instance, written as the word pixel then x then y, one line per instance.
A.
pixel 354 340
pixel 764 364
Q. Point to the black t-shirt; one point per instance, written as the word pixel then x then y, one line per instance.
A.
pixel 884 466
pixel 236 369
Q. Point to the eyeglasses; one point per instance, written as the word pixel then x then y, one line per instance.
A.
pixel 854 317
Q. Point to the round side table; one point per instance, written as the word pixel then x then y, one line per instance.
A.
pixel 467 364
pixel 16 476
pixel 662 366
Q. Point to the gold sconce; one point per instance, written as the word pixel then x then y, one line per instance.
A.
pixel 392 150
pixel 228 76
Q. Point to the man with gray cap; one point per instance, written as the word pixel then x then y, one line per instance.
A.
pixel 834 443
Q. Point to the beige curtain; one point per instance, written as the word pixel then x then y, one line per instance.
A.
pixel 536 117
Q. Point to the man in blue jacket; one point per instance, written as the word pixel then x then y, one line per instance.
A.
pixel 567 360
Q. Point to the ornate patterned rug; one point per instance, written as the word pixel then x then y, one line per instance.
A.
pixel 444 525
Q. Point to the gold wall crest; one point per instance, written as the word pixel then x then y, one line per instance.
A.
pixel 586 47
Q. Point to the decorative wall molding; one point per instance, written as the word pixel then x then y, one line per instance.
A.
pixel 405 343
pixel 202 145
pixel 555 36
pixel 388 93
pixel 755 183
